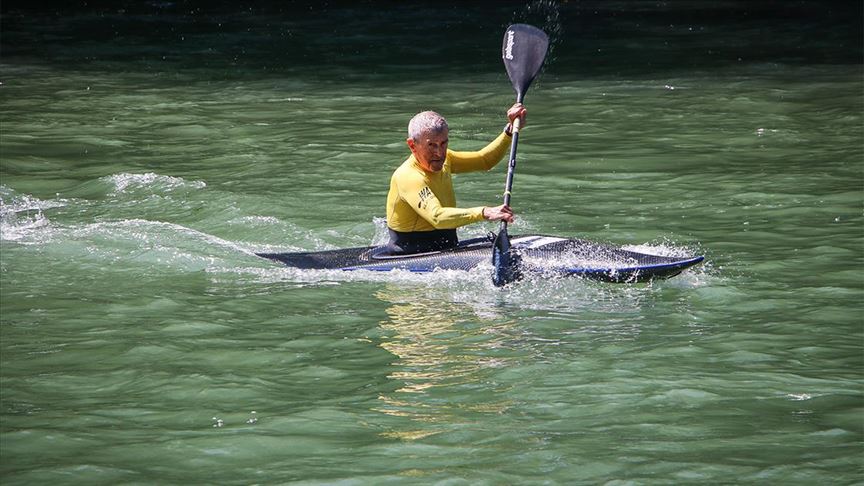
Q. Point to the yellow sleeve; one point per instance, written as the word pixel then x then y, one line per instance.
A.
pixel 483 159
pixel 418 195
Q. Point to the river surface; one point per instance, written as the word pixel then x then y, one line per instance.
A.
pixel 149 149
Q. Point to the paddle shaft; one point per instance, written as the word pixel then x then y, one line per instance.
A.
pixel 511 166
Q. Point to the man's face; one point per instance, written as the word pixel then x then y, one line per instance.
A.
pixel 430 150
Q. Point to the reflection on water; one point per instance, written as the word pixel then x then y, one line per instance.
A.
pixel 443 348
pixel 459 345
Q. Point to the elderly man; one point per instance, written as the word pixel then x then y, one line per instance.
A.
pixel 421 206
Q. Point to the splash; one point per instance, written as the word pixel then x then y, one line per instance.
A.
pixel 381 234
pixel 22 215
pixel 545 15
pixel 663 248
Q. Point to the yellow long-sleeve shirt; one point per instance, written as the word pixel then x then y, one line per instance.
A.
pixel 425 201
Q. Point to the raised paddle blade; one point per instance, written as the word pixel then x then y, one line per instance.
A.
pixel 505 261
pixel 523 51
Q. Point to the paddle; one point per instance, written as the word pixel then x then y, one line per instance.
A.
pixel 523 51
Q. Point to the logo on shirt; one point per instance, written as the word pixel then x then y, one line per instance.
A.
pixel 508 51
pixel 424 194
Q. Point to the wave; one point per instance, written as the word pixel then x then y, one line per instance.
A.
pixel 132 236
pixel 154 182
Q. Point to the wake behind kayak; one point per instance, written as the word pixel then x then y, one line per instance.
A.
pixel 541 255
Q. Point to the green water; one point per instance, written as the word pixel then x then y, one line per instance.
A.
pixel 146 154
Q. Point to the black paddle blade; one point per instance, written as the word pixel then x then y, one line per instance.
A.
pixel 523 51
pixel 505 261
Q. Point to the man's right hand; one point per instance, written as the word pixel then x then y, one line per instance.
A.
pixel 499 213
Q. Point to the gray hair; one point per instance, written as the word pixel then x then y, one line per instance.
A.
pixel 426 121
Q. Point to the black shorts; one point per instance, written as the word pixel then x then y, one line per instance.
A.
pixel 404 243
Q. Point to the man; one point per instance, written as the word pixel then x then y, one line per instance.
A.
pixel 421 205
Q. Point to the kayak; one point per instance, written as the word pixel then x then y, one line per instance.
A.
pixel 540 255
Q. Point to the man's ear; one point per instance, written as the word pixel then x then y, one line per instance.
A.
pixel 410 142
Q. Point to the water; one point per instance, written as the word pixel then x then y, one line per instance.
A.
pixel 146 154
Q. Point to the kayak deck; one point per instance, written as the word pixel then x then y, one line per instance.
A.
pixel 544 255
